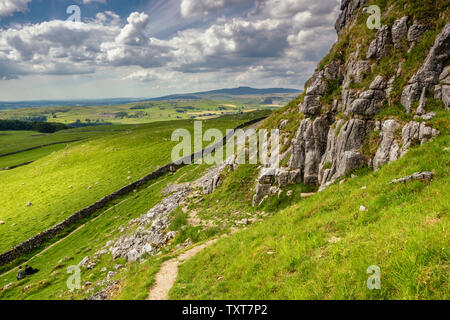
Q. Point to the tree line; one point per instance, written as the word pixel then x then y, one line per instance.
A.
pixel 43 127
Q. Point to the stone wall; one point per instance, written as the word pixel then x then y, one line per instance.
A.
pixel 38 147
pixel 34 242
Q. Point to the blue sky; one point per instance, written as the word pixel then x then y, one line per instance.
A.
pixel 146 48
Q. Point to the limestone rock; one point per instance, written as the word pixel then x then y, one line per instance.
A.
pixel 348 7
pixel 343 146
pixel 427 175
pixel 285 177
pixel 399 31
pixel 415 132
pixel 389 148
pixel 370 101
pixel 283 124
pixel 416 31
pixel 446 95
pixel 428 74
pixel 308 146
pixel 311 105
pixel 377 48
pixel 262 190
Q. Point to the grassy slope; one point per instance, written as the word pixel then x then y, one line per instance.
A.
pixel 290 256
pixel 50 282
pixel 108 161
pixel 11 141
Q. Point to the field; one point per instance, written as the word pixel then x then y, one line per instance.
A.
pixel 63 181
pixel 312 248
pixel 50 282
pixel 151 111
pixel 321 247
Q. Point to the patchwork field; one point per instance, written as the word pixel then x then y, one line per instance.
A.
pixel 150 111
pixel 66 178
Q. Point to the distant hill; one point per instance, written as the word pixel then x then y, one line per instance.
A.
pixel 241 91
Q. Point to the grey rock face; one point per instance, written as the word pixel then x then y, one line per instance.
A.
pixel 446 95
pixel 428 75
pixel 342 154
pixel 285 177
pixel 370 101
pixel 444 79
pixel 308 147
pixel 311 105
pixel 415 132
pixel 348 7
pixel 355 69
pixel 378 46
pixel 389 148
pixel 416 31
pixel 399 31
pixel 262 190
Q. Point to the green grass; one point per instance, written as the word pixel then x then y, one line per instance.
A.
pixel 134 282
pixel 405 233
pixel 151 111
pixel 31 155
pixel 12 141
pixel 103 163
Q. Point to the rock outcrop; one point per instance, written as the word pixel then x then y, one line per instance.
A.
pixel 348 7
pixel 428 75
pixel 339 135
pixel 378 47
pixel 388 150
pixel 416 133
pixel 399 31
pixel 427 175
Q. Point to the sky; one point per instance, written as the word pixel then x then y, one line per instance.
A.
pixel 149 48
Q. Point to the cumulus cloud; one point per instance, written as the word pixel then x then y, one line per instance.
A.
pixel 9 7
pixel 63 47
pixel 275 42
pixel 92 1
pixel 192 8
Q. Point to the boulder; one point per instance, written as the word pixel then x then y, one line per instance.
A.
pixel 399 31
pixel 378 47
pixel 416 31
pixel 262 190
pixel 285 177
pixel 427 175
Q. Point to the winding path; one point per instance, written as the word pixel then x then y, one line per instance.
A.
pixel 167 275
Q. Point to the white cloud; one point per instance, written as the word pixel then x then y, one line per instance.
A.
pixel 274 42
pixel 192 8
pixel 8 7
pixel 92 1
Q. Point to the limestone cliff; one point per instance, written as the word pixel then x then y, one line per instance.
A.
pixel 372 97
